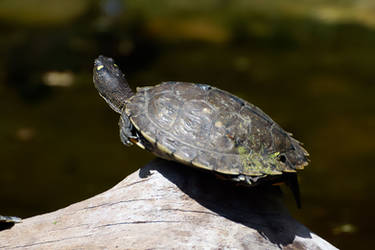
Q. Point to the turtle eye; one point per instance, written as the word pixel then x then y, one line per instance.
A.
pixel 99 67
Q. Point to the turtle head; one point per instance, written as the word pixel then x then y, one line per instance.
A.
pixel 111 83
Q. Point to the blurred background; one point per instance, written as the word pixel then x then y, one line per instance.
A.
pixel 308 64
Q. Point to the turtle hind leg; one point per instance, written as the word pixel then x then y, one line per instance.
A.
pixel 292 181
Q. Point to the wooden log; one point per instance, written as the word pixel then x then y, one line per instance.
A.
pixel 166 205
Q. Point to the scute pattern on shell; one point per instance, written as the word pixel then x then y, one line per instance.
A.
pixel 209 128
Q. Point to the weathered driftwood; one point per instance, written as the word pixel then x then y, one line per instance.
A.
pixel 166 205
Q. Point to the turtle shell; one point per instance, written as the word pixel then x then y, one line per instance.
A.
pixel 209 128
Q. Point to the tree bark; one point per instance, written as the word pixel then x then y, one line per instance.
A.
pixel 166 205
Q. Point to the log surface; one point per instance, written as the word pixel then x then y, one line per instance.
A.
pixel 166 205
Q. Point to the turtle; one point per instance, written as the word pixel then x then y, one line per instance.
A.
pixel 204 127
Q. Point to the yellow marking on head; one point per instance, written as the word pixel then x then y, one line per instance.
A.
pixel 99 67
pixel 115 65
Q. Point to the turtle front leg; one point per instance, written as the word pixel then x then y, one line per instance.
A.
pixel 128 134
pixel 126 131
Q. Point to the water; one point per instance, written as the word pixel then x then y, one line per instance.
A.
pixel 309 67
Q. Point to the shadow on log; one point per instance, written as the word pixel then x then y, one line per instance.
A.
pixel 168 205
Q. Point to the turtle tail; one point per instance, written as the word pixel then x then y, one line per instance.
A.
pixel 291 181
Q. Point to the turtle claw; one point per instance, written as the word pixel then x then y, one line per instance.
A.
pixel 125 140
